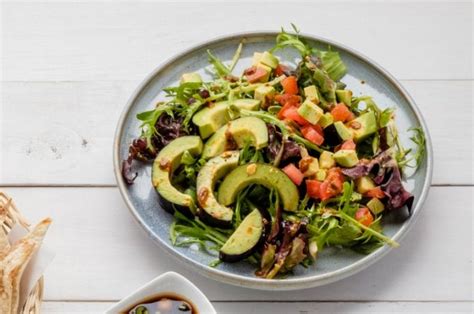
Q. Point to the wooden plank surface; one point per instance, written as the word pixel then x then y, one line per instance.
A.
pixel 124 41
pixel 67 130
pixel 300 307
pixel 69 68
pixel 98 245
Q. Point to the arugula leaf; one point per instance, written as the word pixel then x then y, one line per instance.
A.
pixel 385 116
pixel 248 154
pixel 219 67
pixel 284 40
pixel 367 247
pixel 331 60
pixel 191 111
pixel 236 57
pixel 368 229
pixel 332 64
pixel 186 231
pixel 326 85
pixel 345 234
pixel 183 91
pixel 418 138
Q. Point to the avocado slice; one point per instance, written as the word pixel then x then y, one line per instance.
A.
pixel 310 111
pixel 309 166
pixel 211 118
pixel 321 175
pixel 264 94
pixel 192 77
pixel 237 133
pixel 311 93
pixel 336 133
pixel 167 161
pixel 265 58
pixel 326 160
pixel 346 158
pixel 245 239
pixel 363 126
pixel 326 120
pixel 210 210
pixel 344 96
pixel 375 206
pixel 364 184
pixel 254 173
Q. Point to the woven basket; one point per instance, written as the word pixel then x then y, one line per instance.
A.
pixel 14 216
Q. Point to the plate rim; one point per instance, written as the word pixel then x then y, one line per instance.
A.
pixel 255 282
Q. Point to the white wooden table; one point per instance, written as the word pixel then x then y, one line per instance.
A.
pixel 69 68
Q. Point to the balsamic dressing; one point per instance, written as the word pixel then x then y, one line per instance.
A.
pixel 164 304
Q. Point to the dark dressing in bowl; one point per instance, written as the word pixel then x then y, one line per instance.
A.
pixel 164 304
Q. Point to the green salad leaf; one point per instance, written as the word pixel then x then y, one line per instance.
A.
pixel 220 68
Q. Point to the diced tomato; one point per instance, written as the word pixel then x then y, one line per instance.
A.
pixel 341 113
pixel 332 185
pixel 255 74
pixel 351 117
pixel 290 85
pixel 284 99
pixel 294 174
pixel 324 192
pixel 348 145
pixel 364 216
pixel 281 69
pixel 292 114
pixel 312 188
pixel 318 129
pixel 312 135
pixel 375 192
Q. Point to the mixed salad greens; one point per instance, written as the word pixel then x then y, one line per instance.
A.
pixel 273 165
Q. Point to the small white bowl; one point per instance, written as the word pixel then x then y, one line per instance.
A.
pixel 169 282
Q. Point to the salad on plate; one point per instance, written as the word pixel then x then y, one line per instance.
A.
pixel 272 165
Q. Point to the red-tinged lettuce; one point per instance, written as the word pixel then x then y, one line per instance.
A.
pixel 297 253
pixel 275 151
pixel 385 172
pixel 289 231
pixel 137 150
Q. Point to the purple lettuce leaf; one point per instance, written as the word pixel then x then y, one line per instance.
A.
pixel 385 173
pixel 275 138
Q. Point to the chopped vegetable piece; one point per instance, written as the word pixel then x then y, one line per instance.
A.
pixel 364 216
pixel 311 93
pixel 332 186
pixel 257 74
pixel 340 112
pixel 281 69
pixel 290 85
pixel 364 184
pixel 348 145
pixel 375 206
pixel 326 160
pixel 310 111
pixel 375 192
pixel 288 99
pixel 313 188
pixel 294 174
pixel 310 133
pixel 292 114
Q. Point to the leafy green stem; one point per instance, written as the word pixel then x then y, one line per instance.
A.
pixel 368 229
